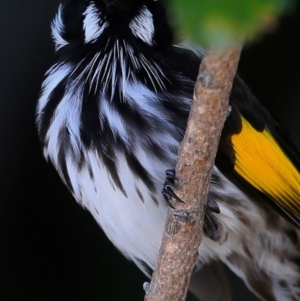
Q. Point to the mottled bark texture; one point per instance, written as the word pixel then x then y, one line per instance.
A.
pixel 183 229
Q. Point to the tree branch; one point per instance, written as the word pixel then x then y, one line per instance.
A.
pixel 183 229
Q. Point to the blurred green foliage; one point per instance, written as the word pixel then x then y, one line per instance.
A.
pixel 221 22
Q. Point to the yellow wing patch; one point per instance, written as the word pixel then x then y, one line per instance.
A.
pixel 261 162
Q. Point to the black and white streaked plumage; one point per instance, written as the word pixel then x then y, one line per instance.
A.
pixel 111 115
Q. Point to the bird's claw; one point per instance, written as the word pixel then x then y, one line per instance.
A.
pixel 210 223
pixel 169 185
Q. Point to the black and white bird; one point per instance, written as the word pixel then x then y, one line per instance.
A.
pixel 111 115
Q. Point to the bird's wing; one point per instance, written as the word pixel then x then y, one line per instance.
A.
pixel 260 153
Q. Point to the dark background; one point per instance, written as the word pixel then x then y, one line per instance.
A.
pixel 51 249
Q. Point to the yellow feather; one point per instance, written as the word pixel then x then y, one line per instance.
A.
pixel 261 162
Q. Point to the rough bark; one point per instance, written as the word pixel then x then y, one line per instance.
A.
pixel 183 229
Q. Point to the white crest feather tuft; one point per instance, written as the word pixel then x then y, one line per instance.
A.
pixel 92 23
pixel 142 26
pixel 58 28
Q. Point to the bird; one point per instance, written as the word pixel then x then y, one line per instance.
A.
pixel 111 115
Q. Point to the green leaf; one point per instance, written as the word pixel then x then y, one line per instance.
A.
pixel 222 22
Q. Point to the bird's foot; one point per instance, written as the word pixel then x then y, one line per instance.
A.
pixel 169 185
pixel 210 223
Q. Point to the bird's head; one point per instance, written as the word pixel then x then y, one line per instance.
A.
pixel 84 22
